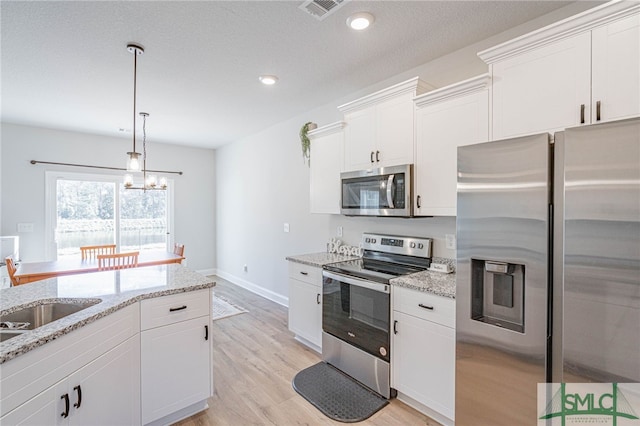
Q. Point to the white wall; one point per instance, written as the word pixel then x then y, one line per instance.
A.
pixel 262 183
pixel 23 184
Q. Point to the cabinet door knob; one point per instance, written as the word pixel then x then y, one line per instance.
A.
pixel 395 327
pixel 582 114
pixel 425 306
pixel 378 156
pixel 178 309
pixel 598 111
pixel 78 390
pixel 206 332
pixel 65 413
pixel 318 298
pixel 304 273
pixel 418 201
pixel 371 157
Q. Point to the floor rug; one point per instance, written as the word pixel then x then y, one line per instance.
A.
pixel 222 308
pixel 337 395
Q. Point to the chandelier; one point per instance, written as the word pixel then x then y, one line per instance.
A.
pixel 133 161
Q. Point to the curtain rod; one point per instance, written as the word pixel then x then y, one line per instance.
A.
pixel 100 167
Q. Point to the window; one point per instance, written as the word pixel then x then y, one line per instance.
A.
pixel 88 209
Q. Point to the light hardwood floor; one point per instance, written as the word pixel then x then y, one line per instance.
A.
pixel 255 358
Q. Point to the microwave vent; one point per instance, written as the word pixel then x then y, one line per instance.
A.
pixel 320 9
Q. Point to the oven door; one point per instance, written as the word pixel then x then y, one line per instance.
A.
pixel 357 312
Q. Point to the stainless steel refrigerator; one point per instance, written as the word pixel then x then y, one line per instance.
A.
pixel 548 272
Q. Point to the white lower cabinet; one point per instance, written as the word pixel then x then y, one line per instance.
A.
pixel 175 356
pixel 305 304
pixel 423 352
pixel 43 409
pixel 104 392
pixel 111 373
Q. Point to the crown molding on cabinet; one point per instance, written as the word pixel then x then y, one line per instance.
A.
pixel 414 85
pixel 579 23
pixel 471 85
pixel 327 129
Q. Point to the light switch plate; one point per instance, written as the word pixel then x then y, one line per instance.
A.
pixel 286 227
pixel 450 241
pixel 25 227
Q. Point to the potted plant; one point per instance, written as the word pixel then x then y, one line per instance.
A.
pixel 305 142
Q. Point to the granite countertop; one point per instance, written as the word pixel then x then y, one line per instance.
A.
pixel 319 259
pixel 438 283
pixel 112 289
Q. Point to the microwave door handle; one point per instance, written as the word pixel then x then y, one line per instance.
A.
pixel 390 192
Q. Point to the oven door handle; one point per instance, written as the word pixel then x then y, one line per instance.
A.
pixel 390 191
pixel 382 288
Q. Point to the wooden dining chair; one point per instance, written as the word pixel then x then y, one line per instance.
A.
pixel 11 268
pixel 178 249
pixel 91 252
pixel 107 262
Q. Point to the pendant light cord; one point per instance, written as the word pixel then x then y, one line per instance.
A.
pixel 135 73
pixel 144 148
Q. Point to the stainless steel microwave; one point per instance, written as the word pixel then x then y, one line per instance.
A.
pixel 385 191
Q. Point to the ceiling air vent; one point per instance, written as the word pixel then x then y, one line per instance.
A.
pixel 320 9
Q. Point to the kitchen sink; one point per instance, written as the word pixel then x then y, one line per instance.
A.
pixel 8 334
pixel 36 316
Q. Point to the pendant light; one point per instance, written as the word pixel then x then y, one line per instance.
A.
pixel 133 161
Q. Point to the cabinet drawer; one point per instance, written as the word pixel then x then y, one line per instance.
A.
pixel 438 309
pixel 305 273
pixel 175 308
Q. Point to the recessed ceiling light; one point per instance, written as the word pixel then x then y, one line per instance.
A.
pixel 268 79
pixel 360 21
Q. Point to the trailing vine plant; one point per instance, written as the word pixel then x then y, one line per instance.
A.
pixel 305 142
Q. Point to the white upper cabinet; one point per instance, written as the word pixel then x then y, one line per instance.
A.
pixel 581 70
pixel 326 163
pixel 616 70
pixel 446 118
pixel 379 129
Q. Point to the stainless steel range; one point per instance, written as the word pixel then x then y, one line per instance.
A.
pixel 356 306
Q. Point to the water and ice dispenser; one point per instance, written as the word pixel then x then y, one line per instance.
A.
pixel 497 293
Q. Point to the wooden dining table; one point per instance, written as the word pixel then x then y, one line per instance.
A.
pixel 35 271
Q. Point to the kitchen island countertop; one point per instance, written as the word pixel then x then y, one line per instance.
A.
pixel 113 289
pixel 319 259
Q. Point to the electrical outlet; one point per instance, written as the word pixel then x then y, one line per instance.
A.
pixel 339 231
pixel 450 241
pixel 286 227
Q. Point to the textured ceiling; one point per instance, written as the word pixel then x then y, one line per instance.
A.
pixel 65 64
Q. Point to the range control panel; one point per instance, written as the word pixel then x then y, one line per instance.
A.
pixel 410 246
